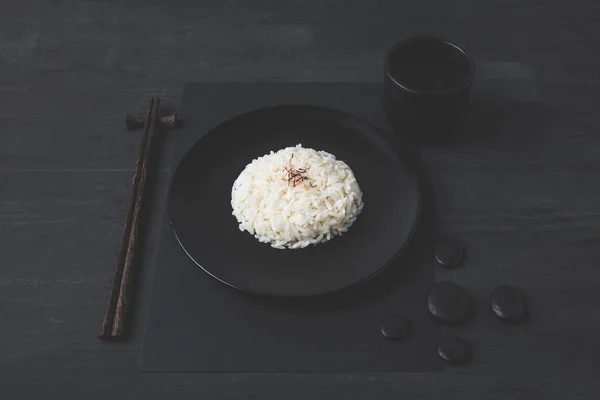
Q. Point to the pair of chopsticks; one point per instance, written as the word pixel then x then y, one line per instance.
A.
pixel 115 320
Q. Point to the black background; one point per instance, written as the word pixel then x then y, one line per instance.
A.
pixel 526 203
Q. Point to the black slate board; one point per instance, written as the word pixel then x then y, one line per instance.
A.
pixel 198 324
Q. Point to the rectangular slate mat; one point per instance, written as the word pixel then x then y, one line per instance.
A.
pixel 197 324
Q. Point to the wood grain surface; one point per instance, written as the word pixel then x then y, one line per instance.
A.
pixel 71 70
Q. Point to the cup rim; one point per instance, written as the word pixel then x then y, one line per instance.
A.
pixel 403 42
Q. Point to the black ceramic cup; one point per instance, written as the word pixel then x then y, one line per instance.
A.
pixel 426 88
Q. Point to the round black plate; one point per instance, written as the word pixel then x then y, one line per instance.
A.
pixel 201 214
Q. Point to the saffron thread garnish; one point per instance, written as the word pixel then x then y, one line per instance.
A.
pixel 295 176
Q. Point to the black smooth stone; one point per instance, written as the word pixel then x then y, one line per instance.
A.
pixel 396 328
pixel 449 303
pixel 449 252
pixel 508 304
pixel 454 350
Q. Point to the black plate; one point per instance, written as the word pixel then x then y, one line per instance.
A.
pixel 201 214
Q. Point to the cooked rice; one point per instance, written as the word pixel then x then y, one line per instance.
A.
pixel 319 207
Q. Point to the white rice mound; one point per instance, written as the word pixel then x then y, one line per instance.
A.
pixel 326 204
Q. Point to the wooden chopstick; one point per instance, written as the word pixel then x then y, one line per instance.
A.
pixel 114 321
pixel 125 292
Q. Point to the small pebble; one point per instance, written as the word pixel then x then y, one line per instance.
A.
pixel 449 252
pixel 454 350
pixel 508 304
pixel 396 327
pixel 449 303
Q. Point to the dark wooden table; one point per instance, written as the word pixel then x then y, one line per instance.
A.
pixel 70 70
